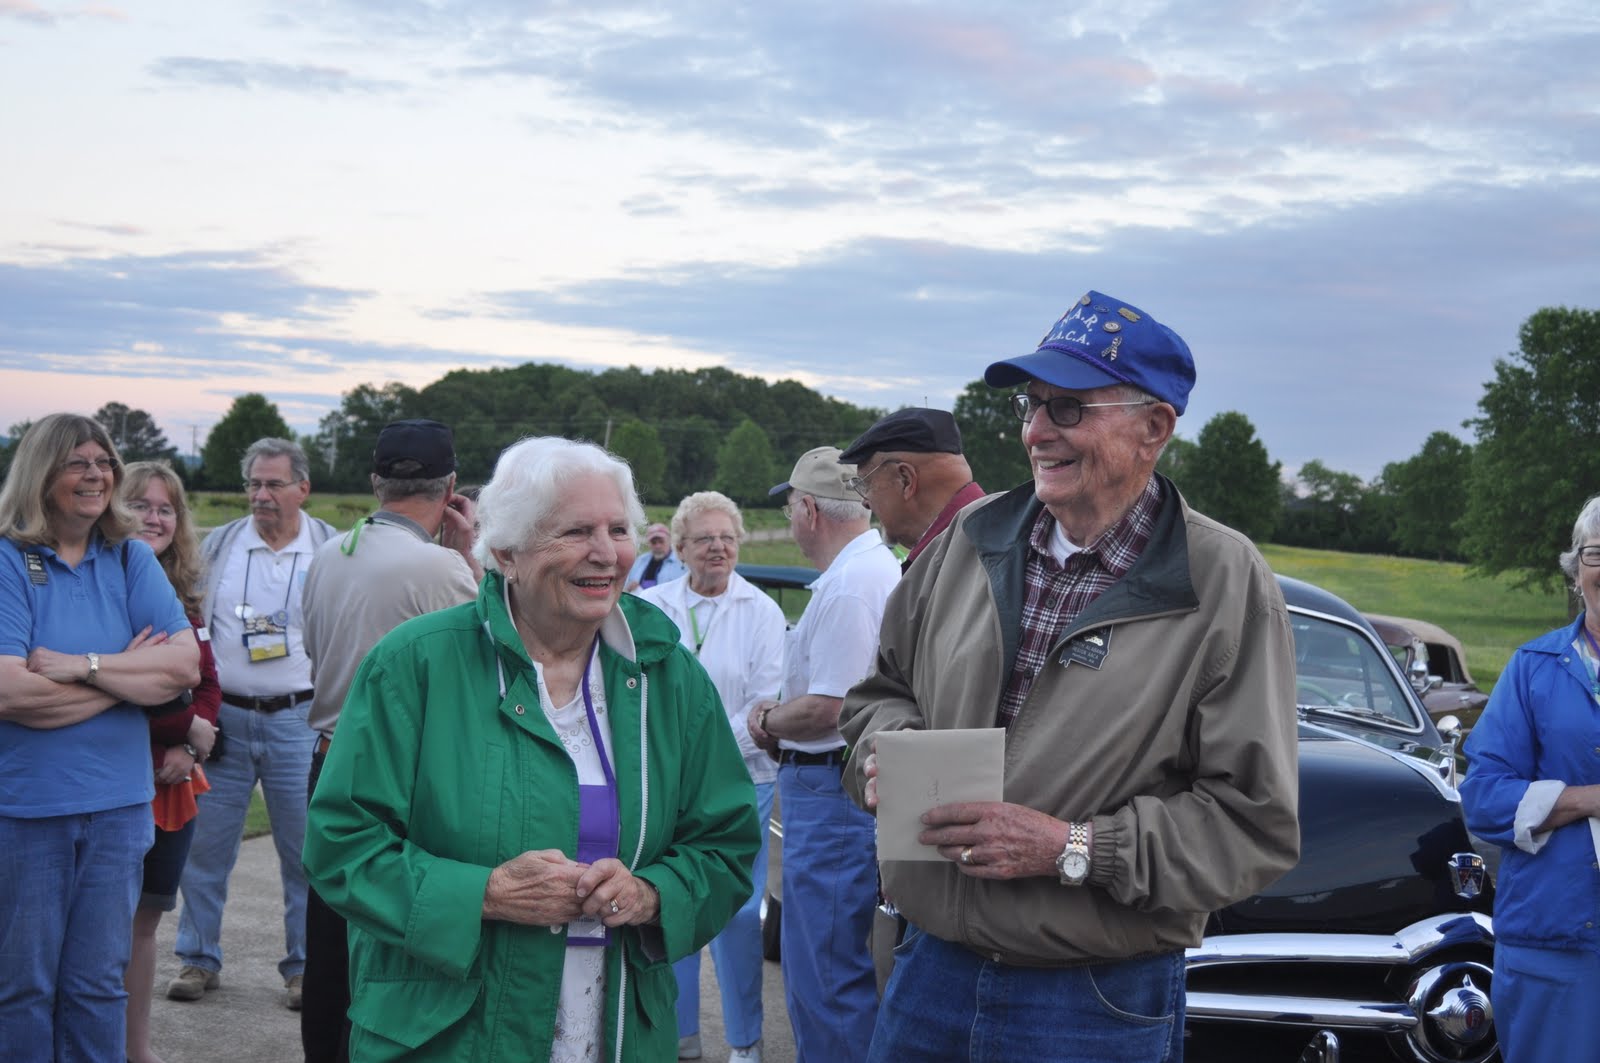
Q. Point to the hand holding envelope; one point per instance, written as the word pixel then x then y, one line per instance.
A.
pixel 919 770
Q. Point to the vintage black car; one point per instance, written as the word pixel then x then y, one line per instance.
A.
pixel 1379 943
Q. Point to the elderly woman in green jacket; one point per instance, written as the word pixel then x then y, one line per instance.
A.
pixel 534 804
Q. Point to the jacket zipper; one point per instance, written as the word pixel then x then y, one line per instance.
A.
pixel 644 818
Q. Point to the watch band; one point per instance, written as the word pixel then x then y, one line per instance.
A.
pixel 94 668
pixel 1073 863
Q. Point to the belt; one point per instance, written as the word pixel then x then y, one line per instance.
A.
pixel 800 756
pixel 276 703
pixel 323 742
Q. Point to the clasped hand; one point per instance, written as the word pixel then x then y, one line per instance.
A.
pixel 543 887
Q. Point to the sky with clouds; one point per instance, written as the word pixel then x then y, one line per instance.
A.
pixel 1347 208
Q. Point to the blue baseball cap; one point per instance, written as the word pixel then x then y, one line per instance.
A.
pixel 1101 342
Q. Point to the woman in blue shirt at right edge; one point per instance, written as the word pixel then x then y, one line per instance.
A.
pixel 1533 788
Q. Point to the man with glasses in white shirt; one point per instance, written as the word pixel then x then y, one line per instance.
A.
pixel 255 569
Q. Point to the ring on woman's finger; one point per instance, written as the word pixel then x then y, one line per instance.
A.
pixel 615 908
pixel 966 855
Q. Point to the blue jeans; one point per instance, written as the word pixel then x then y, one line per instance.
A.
pixel 66 925
pixel 830 888
pixel 1544 1004
pixel 736 952
pixel 274 748
pixel 944 1002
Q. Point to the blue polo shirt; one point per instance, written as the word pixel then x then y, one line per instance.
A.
pixel 104 761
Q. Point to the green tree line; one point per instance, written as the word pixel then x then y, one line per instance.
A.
pixel 1504 503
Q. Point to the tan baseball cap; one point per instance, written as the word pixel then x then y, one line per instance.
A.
pixel 819 472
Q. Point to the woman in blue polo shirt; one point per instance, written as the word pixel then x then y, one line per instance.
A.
pixel 90 629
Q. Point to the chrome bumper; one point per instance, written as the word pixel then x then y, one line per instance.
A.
pixel 1410 947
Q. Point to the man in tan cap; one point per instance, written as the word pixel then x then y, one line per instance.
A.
pixel 830 866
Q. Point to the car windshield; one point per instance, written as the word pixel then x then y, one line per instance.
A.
pixel 1340 671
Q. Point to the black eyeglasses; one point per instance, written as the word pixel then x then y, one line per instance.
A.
pixel 1064 410
pixel 1590 556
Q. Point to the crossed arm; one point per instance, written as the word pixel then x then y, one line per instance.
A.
pixel 49 689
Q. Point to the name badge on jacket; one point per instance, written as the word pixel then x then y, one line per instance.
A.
pixel 1089 648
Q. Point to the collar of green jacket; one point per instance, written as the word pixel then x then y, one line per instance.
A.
pixel 1158 582
pixel 636 630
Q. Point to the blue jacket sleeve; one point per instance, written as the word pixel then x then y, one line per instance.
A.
pixel 1502 755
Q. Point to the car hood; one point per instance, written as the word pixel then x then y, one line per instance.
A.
pixel 1360 806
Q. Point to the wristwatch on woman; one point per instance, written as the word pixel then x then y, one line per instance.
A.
pixel 192 751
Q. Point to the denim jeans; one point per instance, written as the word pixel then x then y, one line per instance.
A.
pixel 944 1002
pixel 67 896
pixel 736 952
pixel 274 748
pixel 830 888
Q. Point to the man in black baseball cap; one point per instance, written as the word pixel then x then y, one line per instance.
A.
pixel 912 475
pixel 360 586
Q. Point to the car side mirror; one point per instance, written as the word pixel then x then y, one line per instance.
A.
pixel 1434 683
pixel 1417 675
pixel 1449 728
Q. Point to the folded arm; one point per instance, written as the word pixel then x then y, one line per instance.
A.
pixel 151 671
pixel 31 700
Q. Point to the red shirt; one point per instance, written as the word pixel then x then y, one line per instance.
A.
pixel 970 493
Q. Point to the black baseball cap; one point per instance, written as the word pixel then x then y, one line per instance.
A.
pixel 414 450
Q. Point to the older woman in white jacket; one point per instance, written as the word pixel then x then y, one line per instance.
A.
pixel 737 632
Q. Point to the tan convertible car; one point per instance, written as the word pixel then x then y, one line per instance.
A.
pixel 1435 663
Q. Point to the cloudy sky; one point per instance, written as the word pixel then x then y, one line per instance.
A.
pixel 1347 207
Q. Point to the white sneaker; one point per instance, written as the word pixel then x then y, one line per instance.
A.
pixel 689 1047
pixel 748 1054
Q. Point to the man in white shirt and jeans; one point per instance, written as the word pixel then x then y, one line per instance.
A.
pixel 255 569
pixel 830 864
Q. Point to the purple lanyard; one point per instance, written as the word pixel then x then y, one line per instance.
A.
pixel 598 828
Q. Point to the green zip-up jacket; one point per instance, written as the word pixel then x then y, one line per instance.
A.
pixel 436 778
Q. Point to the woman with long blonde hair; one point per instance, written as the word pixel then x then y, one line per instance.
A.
pixel 179 741
pixel 90 631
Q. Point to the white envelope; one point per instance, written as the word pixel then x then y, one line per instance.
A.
pixel 918 770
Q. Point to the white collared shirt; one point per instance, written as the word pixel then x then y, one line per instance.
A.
pixel 275 579
pixel 834 645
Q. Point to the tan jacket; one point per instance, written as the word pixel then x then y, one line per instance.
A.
pixel 1181 746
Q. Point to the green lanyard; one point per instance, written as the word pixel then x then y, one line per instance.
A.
pixel 699 639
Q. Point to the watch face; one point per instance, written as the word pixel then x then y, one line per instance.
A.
pixel 1074 865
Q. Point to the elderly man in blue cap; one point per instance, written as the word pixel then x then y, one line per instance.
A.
pixel 1139 657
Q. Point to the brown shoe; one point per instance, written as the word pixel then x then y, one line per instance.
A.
pixel 192 983
pixel 295 995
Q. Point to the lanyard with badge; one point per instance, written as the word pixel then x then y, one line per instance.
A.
pixel 266 635
pixel 598 828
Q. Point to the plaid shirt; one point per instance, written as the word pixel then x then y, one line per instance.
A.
pixel 1055 595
